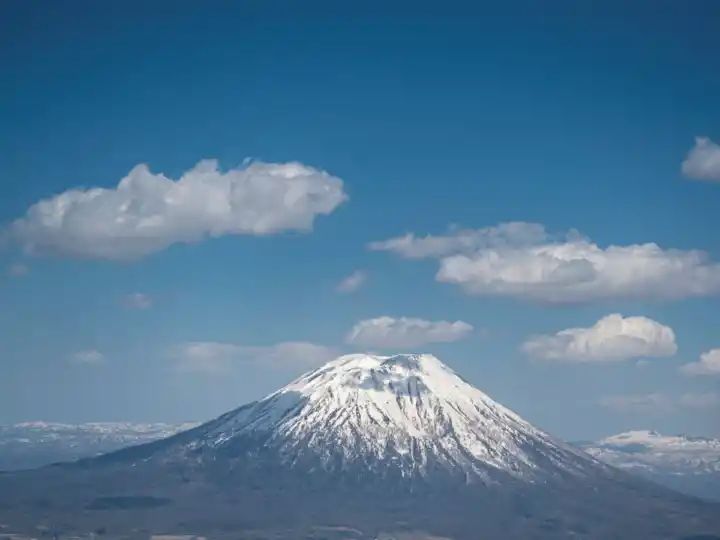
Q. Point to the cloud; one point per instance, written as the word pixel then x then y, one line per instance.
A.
pixel 613 338
pixel 90 357
pixel 410 246
pixel 573 269
pixel 709 364
pixel 18 270
pixel 640 403
pixel 147 212
pixel 352 282
pixel 137 300
pixel 404 332
pixel 703 161
pixel 217 357
pixel 580 271
pixel 707 400
pixel 656 403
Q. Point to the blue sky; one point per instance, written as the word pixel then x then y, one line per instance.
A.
pixel 577 119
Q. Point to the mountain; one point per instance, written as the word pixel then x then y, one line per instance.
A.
pixel 362 447
pixel 33 444
pixel 688 464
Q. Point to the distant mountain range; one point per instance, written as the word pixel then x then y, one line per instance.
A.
pixel 688 464
pixel 33 444
pixel 361 447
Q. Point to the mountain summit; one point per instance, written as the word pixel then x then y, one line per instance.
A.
pixel 407 416
pixel 359 447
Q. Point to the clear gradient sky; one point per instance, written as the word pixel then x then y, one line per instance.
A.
pixel 168 302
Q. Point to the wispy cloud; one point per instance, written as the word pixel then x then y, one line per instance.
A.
pixel 352 282
pixel 405 332
pixel 148 212
pixel 137 300
pixel 707 400
pixel 637 403
pixel 457 240
pixel 212 357
pixel 659 403
pixel 89 357
pixel 18 270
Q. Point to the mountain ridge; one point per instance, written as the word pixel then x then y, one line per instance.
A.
pixel 689 464
pixel 26 445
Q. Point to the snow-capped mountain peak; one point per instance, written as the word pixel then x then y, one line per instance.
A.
pixel 368 444
pixel 406 414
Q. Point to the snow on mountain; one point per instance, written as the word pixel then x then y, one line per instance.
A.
pixel 689 464
pixel 650 451
pixel 364 443
pixel 404 414
pixel 33 444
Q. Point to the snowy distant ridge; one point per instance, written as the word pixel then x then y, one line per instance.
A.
pixel 33 444
pixel 690 464
pixel 671 454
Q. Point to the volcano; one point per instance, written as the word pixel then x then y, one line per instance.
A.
pixel 361 447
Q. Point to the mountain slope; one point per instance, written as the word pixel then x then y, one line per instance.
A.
pixel 34 444
pixel 688 464
pixel 364 443
pixel 408 416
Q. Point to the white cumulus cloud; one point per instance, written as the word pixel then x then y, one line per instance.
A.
pixel 405 332
pixel 703 161
pixel 709 364
pixel 612 338
pixel 581 271
pixel 532 265
pixel 352 282
pixel 148 212
pixel 214 357
pixel 90 357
